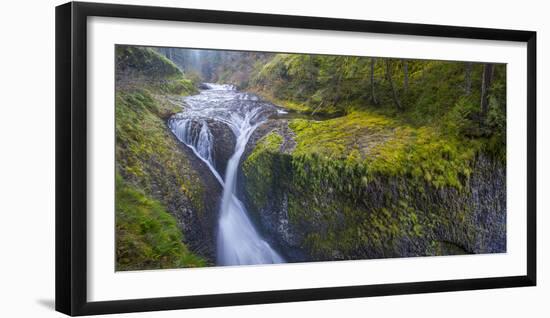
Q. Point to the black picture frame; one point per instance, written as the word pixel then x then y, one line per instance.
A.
pixel 71 157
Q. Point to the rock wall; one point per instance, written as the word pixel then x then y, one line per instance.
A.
pixel 389 216
pixel 149 157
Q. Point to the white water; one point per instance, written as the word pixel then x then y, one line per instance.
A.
pixel 238 242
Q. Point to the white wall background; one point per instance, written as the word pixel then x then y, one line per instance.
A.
pixel 27 159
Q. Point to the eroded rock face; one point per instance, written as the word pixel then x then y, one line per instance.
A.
pixel 198 224
pixel 224 144
pixel 278 125
pixel 273 219
pixel 275 224
pixel 390 217
pixel 195 216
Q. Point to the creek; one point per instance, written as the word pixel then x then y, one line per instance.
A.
pixel 238 241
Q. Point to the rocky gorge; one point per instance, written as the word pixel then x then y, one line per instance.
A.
pixel 273 167
pixel 387 217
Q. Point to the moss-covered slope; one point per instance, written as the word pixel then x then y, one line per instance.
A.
pixel 376 180
pixel 162 187
pixel 148 236
pixel 370 189
pixel 141 66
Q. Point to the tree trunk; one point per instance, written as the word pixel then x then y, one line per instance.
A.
pixel 468 79
pixel 406 76
pixel 393 90
pixel 338 89
pixel 372 90
pixel 486 80
pixel 337 78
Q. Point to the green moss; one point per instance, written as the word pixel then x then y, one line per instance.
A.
pixel 145 62
pixel 338 137
pixel 145 148
pixel 372 144
pixel 270 142
pixel 150 161
pixel 261 168
pixel 425 154
pixel 143 67
pixel 291 105
pixel 336 226
pixel 147 236
pixel 339 163
pixel 434 96
pixel 180 87
pixel 372 180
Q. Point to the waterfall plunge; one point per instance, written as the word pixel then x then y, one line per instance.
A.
pixel 238 241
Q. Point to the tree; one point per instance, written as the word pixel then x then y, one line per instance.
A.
pixel 468 78
pixel 405 76
pixel 390 80
pixel 372 88
pixel 486 81
pixel 338 75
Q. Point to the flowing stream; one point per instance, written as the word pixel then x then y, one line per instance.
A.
pixel 238 242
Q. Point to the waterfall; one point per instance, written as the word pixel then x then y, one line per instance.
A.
pixel 238 242
pixel 200 141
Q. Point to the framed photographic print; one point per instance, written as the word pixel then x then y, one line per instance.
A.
pixel 209 158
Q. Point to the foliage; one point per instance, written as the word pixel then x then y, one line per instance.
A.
pixel 386 173
pixel 377 179
pixel 228 67
pixel 154 178
pixel 435 93
pixel 369 185
pixel 145 62
pixel 145 148
pixel 147 236
pixel 144 67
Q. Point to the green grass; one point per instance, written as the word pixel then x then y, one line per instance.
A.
pixel 147 236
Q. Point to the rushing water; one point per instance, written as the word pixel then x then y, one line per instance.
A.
pixel 238 242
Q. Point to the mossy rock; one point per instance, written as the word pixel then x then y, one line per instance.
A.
pixel 147 236
pixel 367 186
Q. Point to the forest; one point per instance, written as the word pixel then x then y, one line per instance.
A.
pixel 234 158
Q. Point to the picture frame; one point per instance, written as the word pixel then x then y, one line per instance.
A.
pixel 72 135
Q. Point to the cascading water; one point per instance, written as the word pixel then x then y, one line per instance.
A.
pixel 199 140
pixel 238 241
